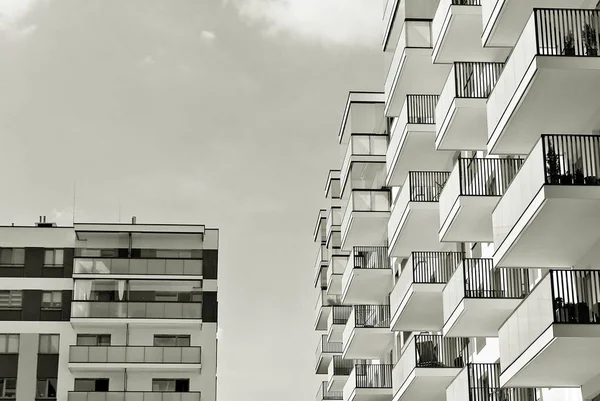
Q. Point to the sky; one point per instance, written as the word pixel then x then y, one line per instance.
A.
pixel 215 112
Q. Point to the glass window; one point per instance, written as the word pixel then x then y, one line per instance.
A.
pixel 12 256
pixel 51 300
pixel 46 388
pixel 54 257
pixel 8 387
pixel 163 385
pixel 166 296
pixel 9 343
pixel 171 340
pixel 49 343
pixel 11 299
pixel 93 339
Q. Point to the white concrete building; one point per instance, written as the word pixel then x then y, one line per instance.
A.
pixel 459 255
pixel 108 312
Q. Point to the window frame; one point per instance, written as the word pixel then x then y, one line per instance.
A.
pixel 49 351
pixel 176 337
pixel 96 337
pixel 12 262
pixel 5 338
pixel 54 252
pixel 46 381
pixel 11 297
pixel 54 305
pixel 3 382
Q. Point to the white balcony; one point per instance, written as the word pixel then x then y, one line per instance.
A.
pixel 119 357
pixel 504 20
pixel 365 219
pixel 336 322
pixel 367 332
pixel 323 308
pixel 321 262
pixel 461 112
pixel 428 364
pixel 362 115
pixel 369 382
pixel 367 277
pixel 414 221
pixel 320 233
pixel 334 222
pixel 338 372
pixel 335 271
pixel 479 298
pixel 326 395
pixel 361 149
pixel 550 214
pixel 553 337
pixel 133 396
pixel 325 352
pixel 456 31
pixel 412 58
pixel 469 197
pixel 412 138
pixel 416 300
pixel 549 84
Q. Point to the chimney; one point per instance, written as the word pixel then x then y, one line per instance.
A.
pixel 133 220
pixel 43 223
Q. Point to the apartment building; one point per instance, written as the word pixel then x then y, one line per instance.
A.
pixel 108 312
pixel 458 256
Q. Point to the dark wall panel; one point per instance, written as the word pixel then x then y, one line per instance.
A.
pixel 209 307
pixel 8 365
pixel 47 366
pixel 68 262
pixel 12 271
pixel 67 297
pixel 32 305
pixel 210 268
pixel 34 262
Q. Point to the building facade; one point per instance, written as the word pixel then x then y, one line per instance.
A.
pixel 108 312
pixel 458 256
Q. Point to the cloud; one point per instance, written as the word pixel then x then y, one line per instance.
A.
pixel 11 14
pixel 340 22
pixel 208 36
pixel 148 60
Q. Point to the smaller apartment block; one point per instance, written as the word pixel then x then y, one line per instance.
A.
pixel 108 312
pixel 458 251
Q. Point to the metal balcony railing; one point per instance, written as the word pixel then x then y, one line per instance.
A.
pixel 138 266
pixel 476 80
pixel 434 267
pixel 326 347
pixel 484 385
pixel 481 280
pixel 426 186
pixel 421 108
pixel 375 316
pixel 133 396
pixel 466 2
pixel 341 366
pixel 370 257
pixel 136 310
pixel 341 313
pixel 576 296
pixel 133 354
pixel 324 395
pixel 373 375
pixel 566 32
pixel 571 159
pixel 486 177
pixel 436 351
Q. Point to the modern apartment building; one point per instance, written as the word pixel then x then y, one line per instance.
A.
pixel 108 312
pixel 459 253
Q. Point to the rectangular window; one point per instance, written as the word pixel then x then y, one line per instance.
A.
pixel 93 339
pixel 96 253
pixel 54 257
pixel 161 340
pixel 49 343
pixel 46 388
pixel 8 387
pixel 91 385
pixel 51 300
pixel 9 343
pixel 166 296
pixel 171 253
pixel 12 256
pixel 11 299
pixel 171 385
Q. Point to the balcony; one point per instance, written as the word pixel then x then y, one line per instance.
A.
pixel 325 352
pixel 479 298
pixel 369 382
pixel 101 313
pixel 412 58
pixel 503 20
pixel 362 149
pixel 338 372
pixel 481 382
pixel 133 267
pixel 321 262
pixel 365 218
pixel 461 111
pixel 367 333
pixel 412 136
pixel 323 308
pixel 118 357
pixel 550 214
pixel 416 300
pixel 335 271
pixel 428 364
pixel 334 222
pixel 325 395
pixel 469 197
pixel 132 396
pixel 396 11
pixel 336 322
pixel 553 338
pixel 549 84
pixel 414 220
pixel 367 277
pixel 456 31
pixel 320 233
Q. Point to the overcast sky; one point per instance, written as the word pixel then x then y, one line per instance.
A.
pixel 217 112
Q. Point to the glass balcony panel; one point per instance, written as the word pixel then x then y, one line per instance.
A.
pixel 192 267
pixel 134 354
pixel 157 310
pixel 152 354
pixel 136 310
pixel 138 266
pixel 191 355
pixel 156 266
pixel 78 354
pixel 174 266
pixel 98 354
pixel 116 354
pixel 119 266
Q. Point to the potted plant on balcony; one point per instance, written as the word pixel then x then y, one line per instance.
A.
pixel 578 178
pixel 566 179
pixel 569 44
pixel 589 40
pixel 591 180
pixel 553 165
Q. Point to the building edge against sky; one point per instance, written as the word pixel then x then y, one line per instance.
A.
pixel 457 253
pixel 108 311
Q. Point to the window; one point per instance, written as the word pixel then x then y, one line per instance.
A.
pixel 171 253
pixel 11 299
pixel 9 343
pixel 166 296
pixel 93 339
pixel 178 340
pixel 12 256
pixel 46 388
pixel 8 387
pixel 49 343
pixel 96 253
pixel 51 300
pixel 91 385
pixel 176 385
pixel 54 257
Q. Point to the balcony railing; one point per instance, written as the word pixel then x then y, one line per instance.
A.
pixel 572 159
pixel 133 354
pixel 475 80
pixel 373 375
pixel 326 347
pixel 434 267
pixel 138 266
pixel 370 257
pixel 426 186
pixel 133 396
pixel 136 310
pixel 421 109
pixel 341 313
pixel 466 2
pixel 481 280
pixel 484 385
pixel 372 316
pixel 341 366
pixel 566 32
pixel 486 177
pixel 362 145
pixel 324 395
